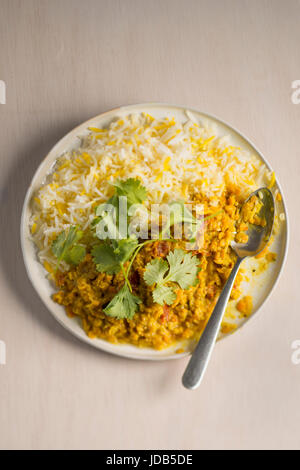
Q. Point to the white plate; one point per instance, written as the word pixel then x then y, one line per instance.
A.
pixel 260 288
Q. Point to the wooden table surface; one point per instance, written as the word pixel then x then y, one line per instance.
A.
pixel 64 61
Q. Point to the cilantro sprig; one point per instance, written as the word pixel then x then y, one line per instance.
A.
pixel 132 189
pixel 115 251
pixel 181 268
pixel 110 256
pixel 66 248
pixel 105 259
pixel 123 305
pixel 112 253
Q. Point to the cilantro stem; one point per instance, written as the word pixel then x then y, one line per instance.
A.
pixel 207 217
pixel 139 247
pixel 126 277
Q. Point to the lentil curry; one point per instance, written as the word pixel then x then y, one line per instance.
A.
pixel 85 292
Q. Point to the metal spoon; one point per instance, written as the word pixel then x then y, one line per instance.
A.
pixel 258 237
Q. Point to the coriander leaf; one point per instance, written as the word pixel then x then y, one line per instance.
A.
pixel 114 201
pixel 133 189
pixel 63 242
pixel 155 271
pixel 109 256
pixel 123 305
pixel 164 294
pixel 58 245
pixel 76 254
pixel 95 221
pixel 105 259
pixel 124 248
pixel 183 268
pixel 63 245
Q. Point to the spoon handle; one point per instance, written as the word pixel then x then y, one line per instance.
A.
pixel 197 365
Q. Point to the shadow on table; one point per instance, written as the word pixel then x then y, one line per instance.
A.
pixel 11 260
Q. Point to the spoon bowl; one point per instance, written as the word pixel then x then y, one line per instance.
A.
pixel 258 235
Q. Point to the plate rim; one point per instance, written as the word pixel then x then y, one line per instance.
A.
pixel 111 347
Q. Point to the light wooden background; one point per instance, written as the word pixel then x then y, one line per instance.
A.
pixel 67 60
